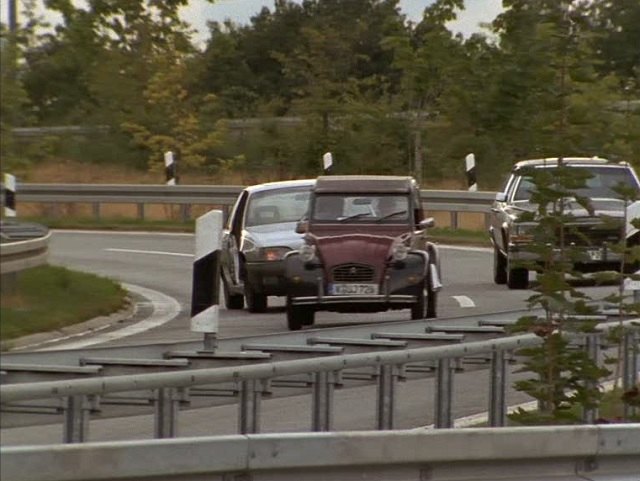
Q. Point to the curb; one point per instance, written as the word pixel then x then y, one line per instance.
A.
pixel 86 327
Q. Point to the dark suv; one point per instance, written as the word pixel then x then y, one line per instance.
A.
pixel 365 250
pixel 590 232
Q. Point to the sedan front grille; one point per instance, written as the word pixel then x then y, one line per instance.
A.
pixel 590 235
pixel 353 273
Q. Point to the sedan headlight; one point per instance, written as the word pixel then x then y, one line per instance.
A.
pixel 273 253
pixel 399 251
pixel 307 252
pixel 523 233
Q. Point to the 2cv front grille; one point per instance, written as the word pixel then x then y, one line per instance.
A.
pixel 353 273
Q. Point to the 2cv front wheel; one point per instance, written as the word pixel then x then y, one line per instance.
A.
pixel 427 304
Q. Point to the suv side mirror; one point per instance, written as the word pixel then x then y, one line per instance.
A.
pixel 302 226
pixel 501 197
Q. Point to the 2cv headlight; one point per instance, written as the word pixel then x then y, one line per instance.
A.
pixel 399 251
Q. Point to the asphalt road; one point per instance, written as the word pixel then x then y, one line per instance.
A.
pixel 162 263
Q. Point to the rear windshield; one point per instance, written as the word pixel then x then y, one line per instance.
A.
pixel 277 205
pixel 600 185
pixel 361 208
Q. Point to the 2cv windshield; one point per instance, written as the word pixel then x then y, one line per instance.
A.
pixel 361 208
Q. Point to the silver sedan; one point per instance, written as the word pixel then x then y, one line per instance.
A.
pixel 259 232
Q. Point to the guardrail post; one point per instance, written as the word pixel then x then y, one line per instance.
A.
pixel 386 396
pixel 322 401
pixel 76 419
pixel 166 413
pixel 140 211
pixel 630 368
pixel 592 347
pixel 249 415
pixel 497 395
pixel 444 390
pixel 96 210
pixel 453 219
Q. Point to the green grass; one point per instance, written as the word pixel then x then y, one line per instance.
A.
pixel 46 298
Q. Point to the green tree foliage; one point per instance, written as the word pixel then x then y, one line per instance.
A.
pixel 565 377
pixel 551 77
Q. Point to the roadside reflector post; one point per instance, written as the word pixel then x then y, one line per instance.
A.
pixel 327 162
pixel 206 278
pixel 9 195
pixel 170 168
pixel 470 168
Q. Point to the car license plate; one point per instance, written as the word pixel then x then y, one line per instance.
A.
pixel 595 254
pixel 353 289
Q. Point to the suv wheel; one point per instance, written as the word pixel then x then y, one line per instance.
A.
pixel 499 267
pixel 298 316
pixel 231 301
pixel 256 302
pixel 517 278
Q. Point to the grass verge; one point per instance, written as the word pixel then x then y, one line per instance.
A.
pixel 47 298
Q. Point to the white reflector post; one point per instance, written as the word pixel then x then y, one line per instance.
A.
pixel 206 276
pixel 170 168
pixel 470 167
pixel 327 162
pixel 9 195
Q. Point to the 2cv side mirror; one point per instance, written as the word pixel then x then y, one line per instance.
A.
pixel 425 224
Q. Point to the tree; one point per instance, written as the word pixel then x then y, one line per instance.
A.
pixel 425 56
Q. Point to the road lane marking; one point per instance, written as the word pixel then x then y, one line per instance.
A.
pixel 165 309
pixel 137 251
pixel 464 301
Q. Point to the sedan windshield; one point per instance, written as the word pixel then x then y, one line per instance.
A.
pixel 600 185
pixel 277 205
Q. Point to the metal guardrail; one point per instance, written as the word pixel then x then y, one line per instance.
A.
pixel 325 373
pixel 23 245
pixel 481 454
pixel 452 201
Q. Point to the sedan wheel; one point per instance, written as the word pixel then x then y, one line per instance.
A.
pixel 499 267
pixel 427 304
pixel 256 302
pixel 298 316
pixel 231 301
pixel 517 278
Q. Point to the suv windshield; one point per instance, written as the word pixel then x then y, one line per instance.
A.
pixel 277 205
pixel 361 208
pixel 600 185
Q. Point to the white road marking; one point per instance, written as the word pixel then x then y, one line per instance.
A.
pixel 161 253
pixel 165 309
pixel 464 301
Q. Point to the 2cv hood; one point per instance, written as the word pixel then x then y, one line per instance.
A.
pixel 357 248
